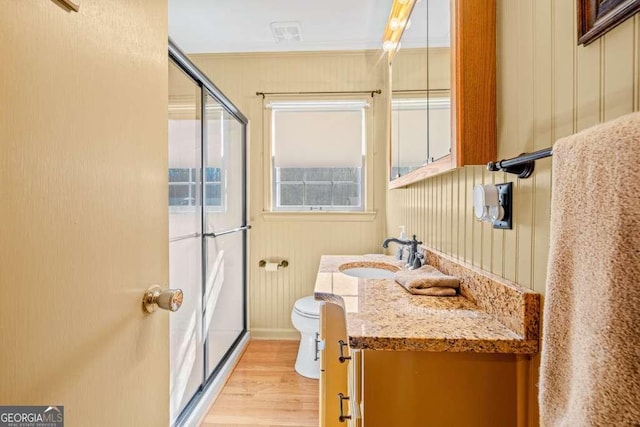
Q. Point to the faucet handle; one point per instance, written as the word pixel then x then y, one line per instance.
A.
pixel 417 260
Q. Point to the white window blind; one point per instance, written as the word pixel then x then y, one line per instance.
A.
pixel 417 138
pixel 327 134
pixel 409 133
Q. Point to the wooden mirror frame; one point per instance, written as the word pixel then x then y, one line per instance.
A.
pixel 473 91
pixel 596 17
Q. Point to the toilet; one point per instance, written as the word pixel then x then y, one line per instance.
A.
pixel 306 319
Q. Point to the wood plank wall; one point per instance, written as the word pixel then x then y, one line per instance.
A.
pixel 300 241
pixel 548 87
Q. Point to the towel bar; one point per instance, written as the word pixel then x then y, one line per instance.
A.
pixel 523 165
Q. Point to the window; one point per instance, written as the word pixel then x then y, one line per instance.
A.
pixel 318 155
pixel 182 186
pixel 185 153
pixel 185 182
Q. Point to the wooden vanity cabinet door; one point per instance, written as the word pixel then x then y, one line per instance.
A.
pixel 416 389
pixel 333 374
pixel 355 388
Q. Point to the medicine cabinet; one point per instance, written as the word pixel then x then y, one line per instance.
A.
pixel 443 83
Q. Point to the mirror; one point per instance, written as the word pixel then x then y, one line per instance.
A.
pixel 421 90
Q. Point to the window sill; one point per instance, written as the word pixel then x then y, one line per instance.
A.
pixel 319 216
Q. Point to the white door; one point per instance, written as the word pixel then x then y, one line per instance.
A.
pixel 83 217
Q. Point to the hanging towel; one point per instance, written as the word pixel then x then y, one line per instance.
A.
pixel 590 366
pixel 427 280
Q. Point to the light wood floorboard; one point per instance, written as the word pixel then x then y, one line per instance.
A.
pixel 265 390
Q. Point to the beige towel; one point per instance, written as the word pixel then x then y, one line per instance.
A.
pixel 427 280
pixel 435 291
pixel 590 369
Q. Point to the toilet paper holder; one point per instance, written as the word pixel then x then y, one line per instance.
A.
pixel 282 264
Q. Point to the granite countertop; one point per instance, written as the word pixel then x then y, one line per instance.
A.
pixel 382 315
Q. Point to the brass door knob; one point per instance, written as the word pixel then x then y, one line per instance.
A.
pixel 154 297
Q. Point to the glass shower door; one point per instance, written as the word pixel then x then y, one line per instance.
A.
pixel 225 228
pixel 185 241
pixel 208 238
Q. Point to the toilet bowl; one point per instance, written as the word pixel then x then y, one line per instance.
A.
pixel 306 319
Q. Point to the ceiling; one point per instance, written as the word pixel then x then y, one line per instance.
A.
pixel 216 26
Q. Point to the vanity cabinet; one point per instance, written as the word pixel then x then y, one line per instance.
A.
pixel 471 86
pixel 411 389
pixel 414 388
pixel 340 370
pixel 333 373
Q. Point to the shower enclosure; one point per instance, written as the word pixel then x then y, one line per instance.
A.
pixel 207 234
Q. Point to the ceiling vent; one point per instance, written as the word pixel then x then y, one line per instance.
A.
pixel 286 32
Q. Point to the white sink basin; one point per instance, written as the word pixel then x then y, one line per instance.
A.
pixel 368 270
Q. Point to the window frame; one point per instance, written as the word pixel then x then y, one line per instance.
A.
pixel 366 175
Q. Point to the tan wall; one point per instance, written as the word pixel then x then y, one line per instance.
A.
pixel 414 70
pixel 300 241
pixel 548 87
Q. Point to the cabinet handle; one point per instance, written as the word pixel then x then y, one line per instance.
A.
pixel 342 357
pixel 342 416
pixel 317 340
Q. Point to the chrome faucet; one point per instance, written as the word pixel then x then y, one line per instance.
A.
pixel 414 260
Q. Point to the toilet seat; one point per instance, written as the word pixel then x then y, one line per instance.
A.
pixel 307 307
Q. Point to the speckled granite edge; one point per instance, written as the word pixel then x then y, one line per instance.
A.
pixel 516 307
pixel 456 345
pixel 327 297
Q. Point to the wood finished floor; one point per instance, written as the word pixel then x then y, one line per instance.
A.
pixel 265 390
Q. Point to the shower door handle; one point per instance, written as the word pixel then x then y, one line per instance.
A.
pixel 222 233
pixel 154 297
